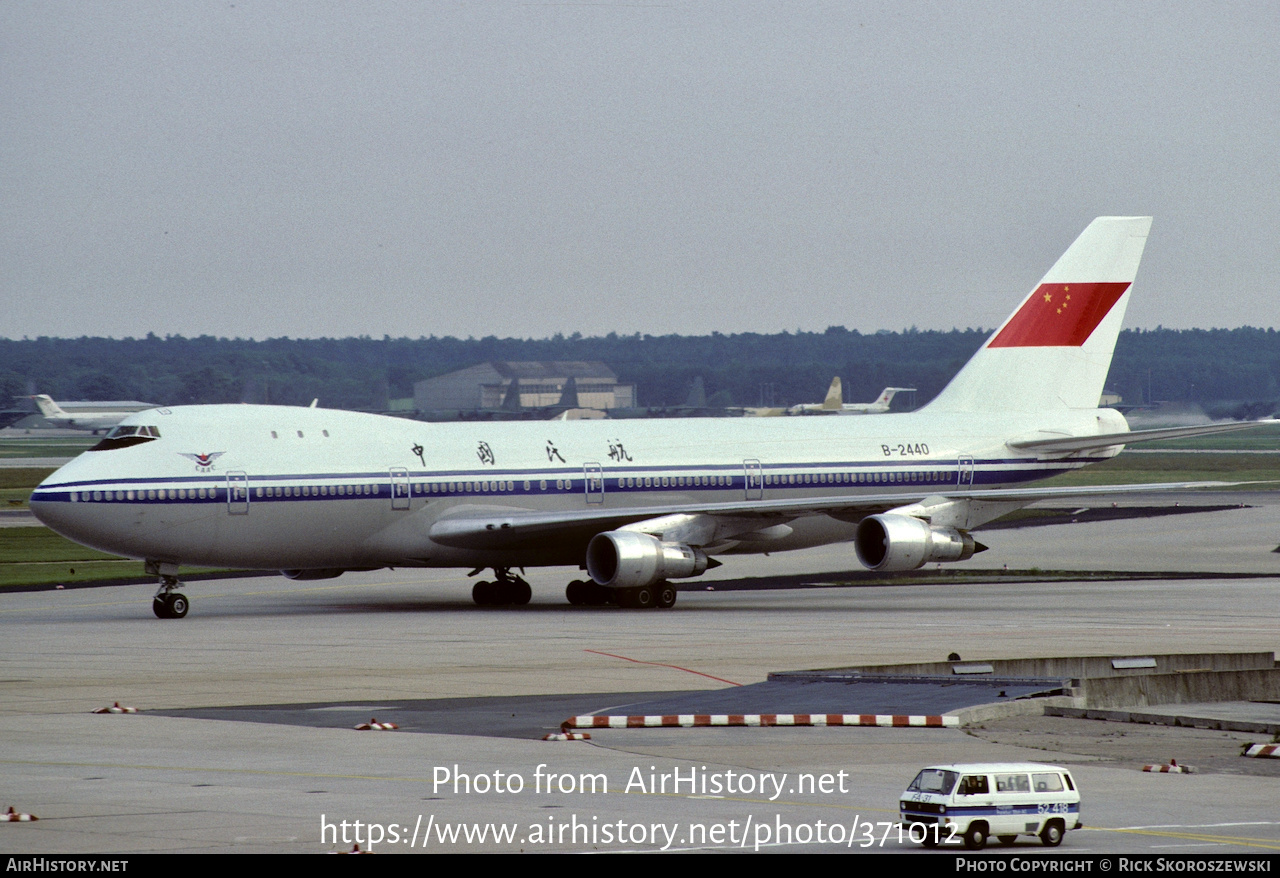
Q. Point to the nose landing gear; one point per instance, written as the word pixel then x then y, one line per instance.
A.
pixel 169 603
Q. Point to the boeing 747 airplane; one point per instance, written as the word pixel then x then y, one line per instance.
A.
pixel 636 504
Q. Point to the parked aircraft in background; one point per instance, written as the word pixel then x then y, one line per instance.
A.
pixel 834 404
pixel 97 417
pixel 636 503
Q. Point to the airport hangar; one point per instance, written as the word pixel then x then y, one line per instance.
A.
pixel 540 383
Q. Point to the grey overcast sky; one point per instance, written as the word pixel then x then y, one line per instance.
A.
pixel 253 168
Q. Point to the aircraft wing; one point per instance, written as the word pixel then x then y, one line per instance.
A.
pixel 1108 440
pixel 508 528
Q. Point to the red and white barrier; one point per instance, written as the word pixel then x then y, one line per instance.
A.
pixel 1171 767
pixel 712 720
pixel 12 816
pixel 374 726
pixel 1264 751
pixel 116 708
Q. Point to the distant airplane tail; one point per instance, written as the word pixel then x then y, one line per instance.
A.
pixel 511 401
pixel 884 400
pixel 697 398
pixel 48 407
pixel 1053 352
pixel 569 395
pixel 835 395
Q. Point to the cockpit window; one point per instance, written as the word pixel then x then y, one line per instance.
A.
pixel 123 436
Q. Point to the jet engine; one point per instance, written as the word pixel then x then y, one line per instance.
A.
pixel 627 559
pixel 892 542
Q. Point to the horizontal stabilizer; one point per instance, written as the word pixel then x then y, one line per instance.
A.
pixel 1110 440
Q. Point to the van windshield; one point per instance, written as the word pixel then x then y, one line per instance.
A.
pixel 934 780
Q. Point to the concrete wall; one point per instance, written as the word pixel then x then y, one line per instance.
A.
pixel 1085 667
pixel 1182 688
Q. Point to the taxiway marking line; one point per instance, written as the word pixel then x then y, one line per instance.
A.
pixel 663 665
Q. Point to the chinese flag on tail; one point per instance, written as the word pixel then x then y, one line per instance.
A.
pixel 1059 315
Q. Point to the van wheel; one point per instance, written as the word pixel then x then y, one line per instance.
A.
pixel 975 837
pixel 1007 840
pixel 930 839
pixel 1051 835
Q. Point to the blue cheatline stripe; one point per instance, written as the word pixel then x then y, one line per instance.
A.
pixel 970 811
pixel 615 482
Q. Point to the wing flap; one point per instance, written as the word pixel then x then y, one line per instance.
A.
pixel 514 528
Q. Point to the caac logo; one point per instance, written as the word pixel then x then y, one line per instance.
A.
pixel 204 462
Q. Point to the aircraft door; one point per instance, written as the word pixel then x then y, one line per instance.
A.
pixel 966 472
pixel 237 492
pixel 399 488
pixel 754 479
pixel 593 481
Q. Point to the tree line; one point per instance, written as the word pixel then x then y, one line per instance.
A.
pixel 1231 370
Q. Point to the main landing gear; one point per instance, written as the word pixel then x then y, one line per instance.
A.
pixel 169 603
pixel 507 590
pixel 511 590
pixel 661 594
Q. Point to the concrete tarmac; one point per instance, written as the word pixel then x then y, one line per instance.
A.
pixel 367 642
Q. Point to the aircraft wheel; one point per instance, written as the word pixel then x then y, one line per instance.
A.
pixel 482 593
pixel 666 593
pixel 1007 840
pixel 519 593
pixel 640 598
pixel 170 606
pixel 576 593
pixel 598 595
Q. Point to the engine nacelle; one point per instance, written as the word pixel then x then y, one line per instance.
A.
pixel 627 559
pixel 892 542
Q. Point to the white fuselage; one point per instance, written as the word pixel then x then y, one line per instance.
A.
pixel 276 487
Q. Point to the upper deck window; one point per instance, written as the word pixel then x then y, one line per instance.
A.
pixel 123 436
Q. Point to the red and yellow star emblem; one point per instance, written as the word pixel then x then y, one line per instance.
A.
pixel 1059 315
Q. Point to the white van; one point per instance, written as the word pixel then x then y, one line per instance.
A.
pixel 971 803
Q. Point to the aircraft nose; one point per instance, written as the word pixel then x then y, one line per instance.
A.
pixel 52 501
pixel 43 497
pixel 65 503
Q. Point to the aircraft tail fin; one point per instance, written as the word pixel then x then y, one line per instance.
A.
pixel 569 395
pixel 48 407
pixel 835 395
pixel 697 398
pixel 511 401
pixel 1054 351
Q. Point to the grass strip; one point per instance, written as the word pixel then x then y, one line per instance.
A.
pixel 1136 469
pixel 38 545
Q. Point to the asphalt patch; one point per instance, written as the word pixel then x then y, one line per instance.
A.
pixel 532 716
